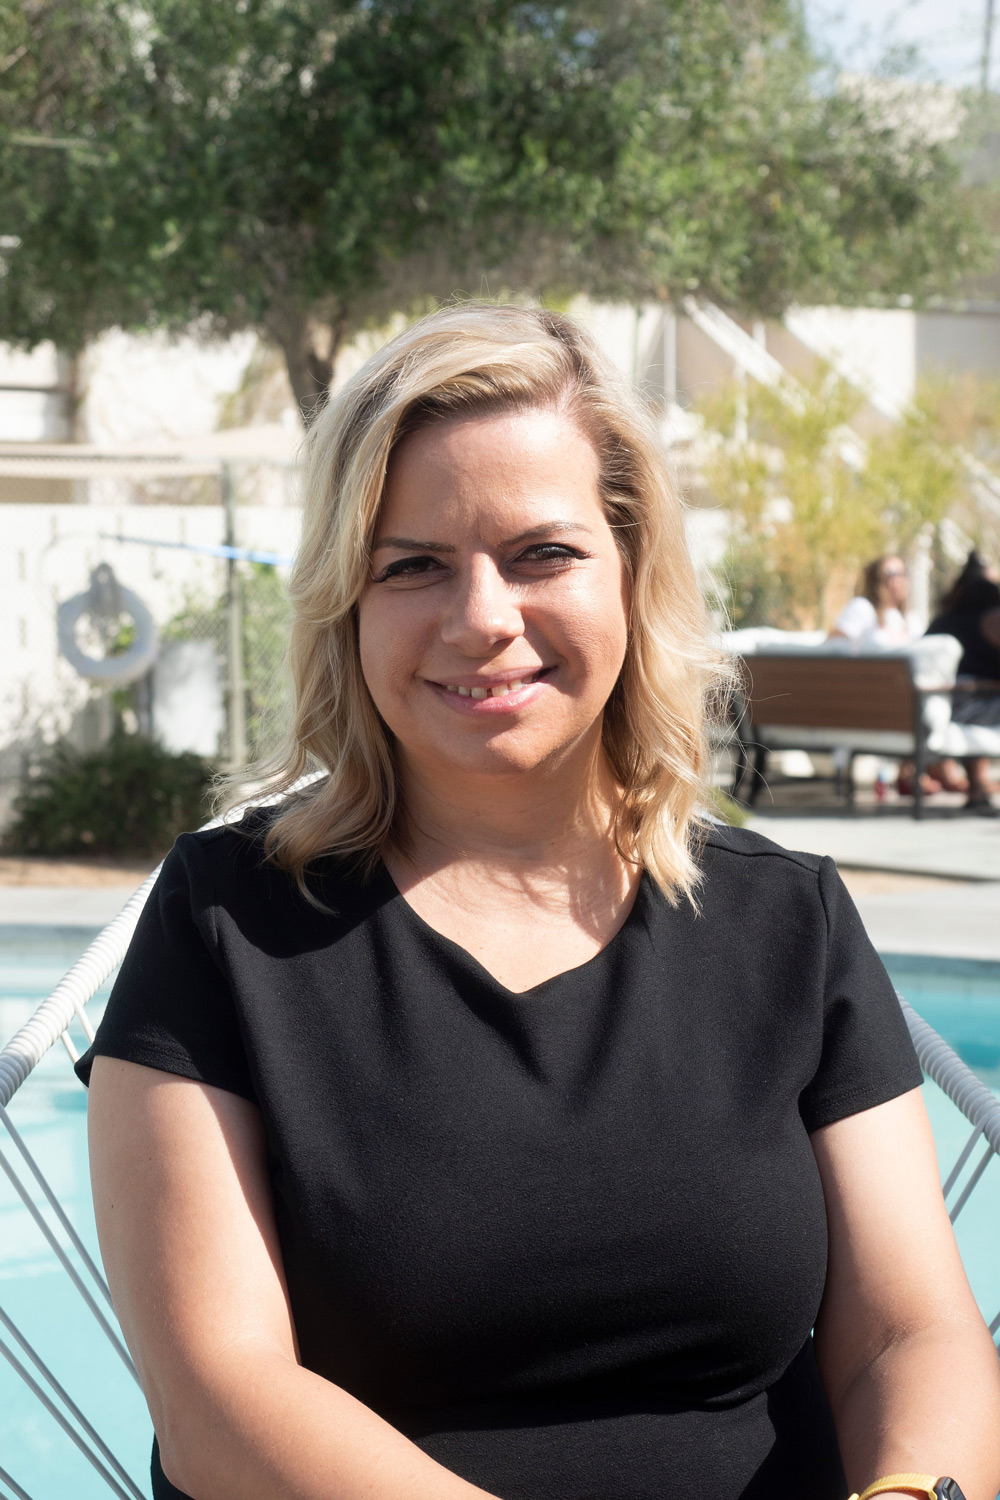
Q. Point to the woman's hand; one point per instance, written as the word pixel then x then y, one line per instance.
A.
pixel 190 1247
pixel 909 1366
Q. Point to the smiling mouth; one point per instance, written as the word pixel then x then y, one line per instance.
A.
pixel 495 689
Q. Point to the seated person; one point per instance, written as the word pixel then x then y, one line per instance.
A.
pixel 875 616
pixel 970 611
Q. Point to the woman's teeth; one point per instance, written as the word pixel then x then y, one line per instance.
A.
pixel 500 691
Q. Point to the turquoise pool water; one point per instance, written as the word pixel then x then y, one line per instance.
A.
pixel 960 999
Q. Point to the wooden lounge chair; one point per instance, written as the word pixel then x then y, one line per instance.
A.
pixel 812 701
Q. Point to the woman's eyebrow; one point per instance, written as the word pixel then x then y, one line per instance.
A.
pixel 409 543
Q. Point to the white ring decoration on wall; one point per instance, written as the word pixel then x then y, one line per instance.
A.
pixel 134 662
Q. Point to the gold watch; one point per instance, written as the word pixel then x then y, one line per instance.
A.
pixel 924 1486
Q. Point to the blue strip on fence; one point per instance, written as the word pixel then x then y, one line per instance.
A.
pixel 239 554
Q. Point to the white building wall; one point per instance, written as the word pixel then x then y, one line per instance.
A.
pixel 33 401
pixel 874 348
pixel 155 387
pixel 958 342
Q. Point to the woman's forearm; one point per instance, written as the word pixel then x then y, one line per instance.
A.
pixel 929 1403
pixel 264 1427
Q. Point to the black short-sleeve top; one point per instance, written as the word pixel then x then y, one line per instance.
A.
pixel 571 1241
pixel 980 658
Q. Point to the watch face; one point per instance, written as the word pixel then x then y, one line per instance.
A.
pixel 947 1489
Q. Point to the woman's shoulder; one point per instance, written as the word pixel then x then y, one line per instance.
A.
pixel 773 899
pixel 229 864
pixel 857 615
pixel 737 859
pixel 234 844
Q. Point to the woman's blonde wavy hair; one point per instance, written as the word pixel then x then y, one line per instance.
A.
pixel 460 361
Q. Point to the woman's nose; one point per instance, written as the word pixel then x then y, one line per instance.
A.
pixel 482 608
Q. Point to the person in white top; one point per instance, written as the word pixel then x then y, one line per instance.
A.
pixel 876 616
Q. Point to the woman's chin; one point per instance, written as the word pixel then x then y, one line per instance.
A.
pixel 498 756
pixel 485 767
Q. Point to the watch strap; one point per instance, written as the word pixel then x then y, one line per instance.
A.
pixel 922 1485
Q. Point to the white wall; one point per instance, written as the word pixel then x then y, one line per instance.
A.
pixel 154 387
pixel 958 342
pixel 886 351
pixel 874 348
pixel 36 413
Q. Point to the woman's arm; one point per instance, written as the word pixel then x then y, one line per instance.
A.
pixel 189 1243
pixel 989 626
pixel 911 1372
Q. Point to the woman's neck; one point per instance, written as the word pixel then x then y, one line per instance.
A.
pixel 554 817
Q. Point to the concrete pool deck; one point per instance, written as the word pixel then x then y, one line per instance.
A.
pixel 61 906
pixel 943 844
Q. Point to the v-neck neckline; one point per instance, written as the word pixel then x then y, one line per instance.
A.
pixel 457 951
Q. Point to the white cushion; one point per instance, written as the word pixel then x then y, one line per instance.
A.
pixel 748 642
pixel 966 739
pixel 935 657
pixel 871 741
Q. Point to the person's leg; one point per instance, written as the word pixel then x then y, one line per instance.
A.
pixel 977 767
pixel 949 774
pixel 929 783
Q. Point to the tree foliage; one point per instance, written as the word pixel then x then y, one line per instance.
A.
pixel 308 167
pixel 912 476
pixel 782 467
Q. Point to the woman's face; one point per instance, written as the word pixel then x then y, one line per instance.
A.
pixel 895 585
pixel 494 624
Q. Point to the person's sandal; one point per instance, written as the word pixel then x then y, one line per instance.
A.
pixel 950 775
pixel 983 806
pixel 905 785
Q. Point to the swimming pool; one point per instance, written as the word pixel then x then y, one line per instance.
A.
pixel 959 998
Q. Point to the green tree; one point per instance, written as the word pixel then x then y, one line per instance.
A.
pixel 913 476
pixel 784 463
pixel 308 167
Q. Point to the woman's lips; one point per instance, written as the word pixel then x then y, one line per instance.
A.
pixel 502 695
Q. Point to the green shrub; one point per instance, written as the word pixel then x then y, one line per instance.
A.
pixel 130 797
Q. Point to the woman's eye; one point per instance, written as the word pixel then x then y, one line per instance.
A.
pixel 408 567
pixel 556 552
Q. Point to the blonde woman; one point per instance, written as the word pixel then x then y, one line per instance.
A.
pixel 484 1121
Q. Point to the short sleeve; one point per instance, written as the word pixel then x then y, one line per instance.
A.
pixel 172 1005
pixel 856 618
pixel 867 1056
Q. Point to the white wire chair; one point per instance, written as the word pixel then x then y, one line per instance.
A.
pixel 51 1023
